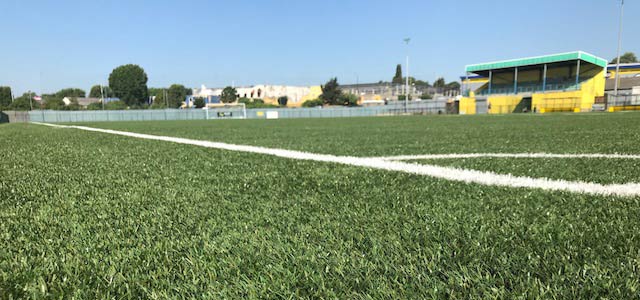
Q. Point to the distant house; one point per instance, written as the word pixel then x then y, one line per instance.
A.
pixel 85 101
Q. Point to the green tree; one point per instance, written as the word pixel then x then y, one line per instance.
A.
pixel 331 92
pixel 53 102
pixel 95 91
pixel 229 95
pixel 348 99
pixel 23 102
pixel 282 101
pixel 627 58
pixel 176 95
pixel 439 83
pixel 199 102
pixel 312 103
pixel 94 106
pixel 70 92
pixel 454 85
pixel 421 83
pixel 398 77
pixel 426 96
pixel 5 97
pixel 129 83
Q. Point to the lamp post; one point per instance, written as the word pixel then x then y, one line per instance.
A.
pixel 615 89
pixel 406 90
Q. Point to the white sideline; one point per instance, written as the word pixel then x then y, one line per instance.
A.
pixel 508 155
pixel 448 173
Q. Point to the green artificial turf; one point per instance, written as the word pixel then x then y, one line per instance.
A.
pixel 95 216
pixel 598 170
pixel 384 136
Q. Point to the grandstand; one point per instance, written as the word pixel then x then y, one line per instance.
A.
pixel 559 82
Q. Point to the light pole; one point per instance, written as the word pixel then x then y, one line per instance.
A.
pixel 406 90
pixel 615 89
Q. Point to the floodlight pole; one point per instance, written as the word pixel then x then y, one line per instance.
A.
pixel 406 90
pixel 615 89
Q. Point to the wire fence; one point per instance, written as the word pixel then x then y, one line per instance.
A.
pixel 392 108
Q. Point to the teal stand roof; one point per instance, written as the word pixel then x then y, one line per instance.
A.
pixel 538 60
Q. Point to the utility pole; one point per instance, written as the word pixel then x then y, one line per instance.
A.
pixel 615 89
pixel 406 89
pixel 102 95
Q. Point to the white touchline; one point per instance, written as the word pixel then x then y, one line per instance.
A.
pixel 448 173
pixel 509 155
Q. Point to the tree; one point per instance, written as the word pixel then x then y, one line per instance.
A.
pixel 331 92
pixel 94 106
pixel 229 95
pixel 627 58
pixel 53 102
pixel 312 103
pixel 282 101
pixel 129 83
pixel 426 96
pixel 199 102
pixel 23 102
pixel 398 77
pixel 454 85
pixel 159 101
pixel 439 83
pixel 176 95
pixel 349 99
pixel 5 97
pixel 70 92
pixel 99 91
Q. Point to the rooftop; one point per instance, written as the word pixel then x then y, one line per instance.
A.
pixel 538 60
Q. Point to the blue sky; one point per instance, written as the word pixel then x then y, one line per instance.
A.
pixel 49 45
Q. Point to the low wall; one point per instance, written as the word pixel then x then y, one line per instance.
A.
pixel 14 116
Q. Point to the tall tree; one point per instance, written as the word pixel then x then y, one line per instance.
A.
pixel 5 96
pixel 229 95
pixel 331 92
pixel 129 83
pixel 176 95
pixel 627 58
pixel 439 83
pixel 98 91
pixel 70 92
pixel 398 77
pixel 95 91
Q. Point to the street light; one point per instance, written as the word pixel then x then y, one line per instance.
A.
pixel 615 89
pixel 406 90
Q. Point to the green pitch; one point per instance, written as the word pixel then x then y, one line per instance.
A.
pixel 96 216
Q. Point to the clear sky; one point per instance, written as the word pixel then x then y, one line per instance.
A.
pixel 49 45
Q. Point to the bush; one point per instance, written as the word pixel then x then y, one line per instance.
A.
pixel 255 103
pixel 312 103
pixel 95 106
pixel 403 97
pixel 244 100
pixel 348 99
pixel 426 96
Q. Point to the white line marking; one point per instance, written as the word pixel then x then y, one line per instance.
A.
pixel 448 173
pixel 508 155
